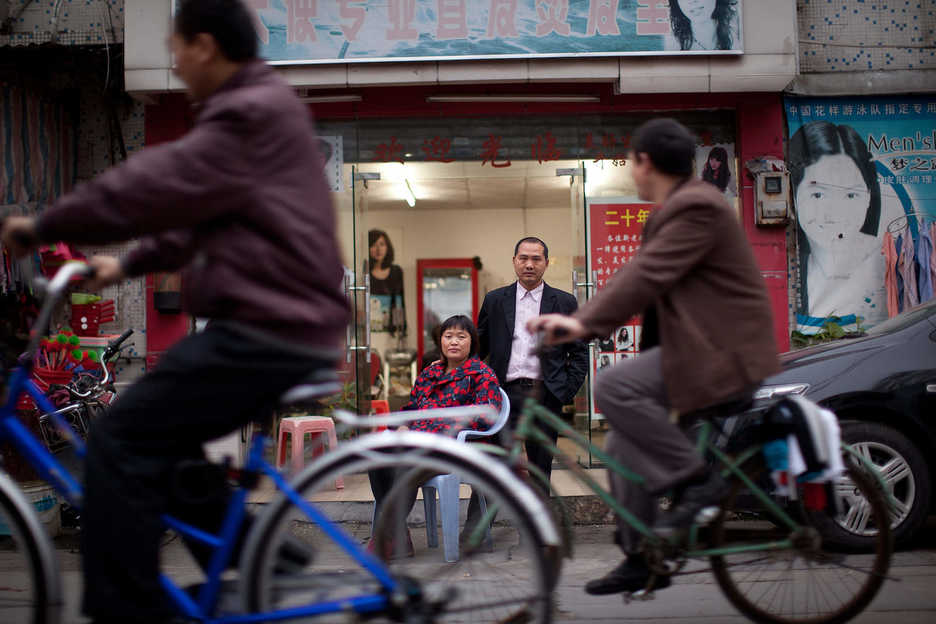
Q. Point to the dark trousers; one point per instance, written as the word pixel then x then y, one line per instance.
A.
pixel 517 391
pixel 206 386
pixel 632 396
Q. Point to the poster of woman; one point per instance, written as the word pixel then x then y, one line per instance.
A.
pixel 703 25
pixel 388 310
pixel 848 185
pixel 715 164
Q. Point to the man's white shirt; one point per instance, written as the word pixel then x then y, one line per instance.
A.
pixel 523 362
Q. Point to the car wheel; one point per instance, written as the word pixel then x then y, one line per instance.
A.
pixel 904 473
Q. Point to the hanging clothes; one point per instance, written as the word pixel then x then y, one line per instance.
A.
pixel 898 247
pixel 924 257
pixel 932 263
pixel 906 265
pixel 889 250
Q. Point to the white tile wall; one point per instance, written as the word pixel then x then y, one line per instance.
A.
pixel 866 35
pixel 72 22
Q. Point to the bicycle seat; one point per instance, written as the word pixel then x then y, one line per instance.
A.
pixel 731 407
pixel 320 383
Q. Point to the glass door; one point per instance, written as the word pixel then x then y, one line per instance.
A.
pixel 582 289
pixel 365 367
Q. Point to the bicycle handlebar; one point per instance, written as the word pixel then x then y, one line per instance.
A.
pixel 114 346
pixel 54 291
pixel 459 414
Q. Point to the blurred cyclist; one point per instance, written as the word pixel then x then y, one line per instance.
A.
pixel 707 338
pixel 241 204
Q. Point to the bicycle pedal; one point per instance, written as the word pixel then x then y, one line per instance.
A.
pixel 641 595
pixel 706 515
pixel 644 594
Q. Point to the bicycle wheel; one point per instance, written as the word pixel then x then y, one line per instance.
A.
pixel 508 579
pixel 30 591
pixel 815 581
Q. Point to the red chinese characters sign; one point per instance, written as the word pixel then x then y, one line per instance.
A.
pixel 616 232
pixel 351 31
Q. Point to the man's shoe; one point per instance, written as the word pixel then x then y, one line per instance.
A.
pixel 696 503
pixel 631 575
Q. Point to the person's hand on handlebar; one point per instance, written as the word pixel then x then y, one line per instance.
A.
pixel 19 235
pixel 107 271
pixel 557 328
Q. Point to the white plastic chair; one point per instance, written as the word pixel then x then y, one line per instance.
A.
pixel 447 487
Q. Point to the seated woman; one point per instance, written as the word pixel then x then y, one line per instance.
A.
pixel 459 378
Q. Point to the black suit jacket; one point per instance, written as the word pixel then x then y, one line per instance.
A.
pixel 563 367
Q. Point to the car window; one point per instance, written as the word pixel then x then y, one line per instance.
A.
pixel 904 319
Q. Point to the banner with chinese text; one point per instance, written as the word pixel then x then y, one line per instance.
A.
pixel 859 167
pixel 319 31
pixel 614 234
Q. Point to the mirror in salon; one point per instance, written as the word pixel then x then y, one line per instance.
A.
pixel 446 288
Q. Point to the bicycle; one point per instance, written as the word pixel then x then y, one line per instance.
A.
pixel 297 561
pixel 89 395
pixel 758 568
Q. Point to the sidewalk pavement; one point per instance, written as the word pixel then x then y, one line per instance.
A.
pixel 693 598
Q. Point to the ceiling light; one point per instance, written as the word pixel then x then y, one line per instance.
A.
pixel 513 98
pixel 408 193
pixel 326 99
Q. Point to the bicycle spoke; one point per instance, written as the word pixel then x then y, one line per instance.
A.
pixel 810 583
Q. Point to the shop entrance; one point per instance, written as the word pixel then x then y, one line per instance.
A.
pixel 432 239
pixel 429 213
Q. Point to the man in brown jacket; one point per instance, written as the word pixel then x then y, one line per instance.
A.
pixel 241 203
pixel 708 338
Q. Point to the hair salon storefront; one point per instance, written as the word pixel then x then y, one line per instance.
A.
pixel 439 165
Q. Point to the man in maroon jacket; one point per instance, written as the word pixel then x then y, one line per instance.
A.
pixel 241 204
pixel 708 313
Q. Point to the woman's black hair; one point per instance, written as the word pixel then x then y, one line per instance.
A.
pixel 822 138
pixel 718 178
pixel 228 21
pixel 372 237
pixel 624 331
pixel 460 321
pixel 724 15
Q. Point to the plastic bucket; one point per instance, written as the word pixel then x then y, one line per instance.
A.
pixel 46 502
pixel 44 377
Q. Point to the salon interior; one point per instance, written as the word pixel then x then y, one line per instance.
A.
pixel 429 214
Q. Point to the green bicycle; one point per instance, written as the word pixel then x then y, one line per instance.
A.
pixel 776 562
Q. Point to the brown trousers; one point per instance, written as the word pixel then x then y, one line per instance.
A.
pixel 632 397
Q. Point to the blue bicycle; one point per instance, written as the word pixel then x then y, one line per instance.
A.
pixel 304 555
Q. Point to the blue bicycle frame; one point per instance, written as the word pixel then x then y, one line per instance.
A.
pixel 204 604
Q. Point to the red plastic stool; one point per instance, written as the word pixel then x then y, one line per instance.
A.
pixel 297 427
pixel 380 406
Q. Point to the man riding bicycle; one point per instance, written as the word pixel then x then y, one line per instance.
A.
pixel 241 203
pixel 707 338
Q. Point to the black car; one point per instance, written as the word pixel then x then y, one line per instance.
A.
pixel 882 387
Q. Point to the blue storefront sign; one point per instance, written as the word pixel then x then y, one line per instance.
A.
pixel 864 185
pixel 320 31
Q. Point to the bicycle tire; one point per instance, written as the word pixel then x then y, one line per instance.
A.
pixel 31 591
pixel 833 586
pixel 449 591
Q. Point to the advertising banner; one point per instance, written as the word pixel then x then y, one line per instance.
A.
pixel 316 31
pixel 614 234
pixel 862 172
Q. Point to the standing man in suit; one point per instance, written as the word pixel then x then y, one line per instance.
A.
pixel 507 345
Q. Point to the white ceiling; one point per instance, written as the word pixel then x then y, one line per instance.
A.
pixel 473 185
